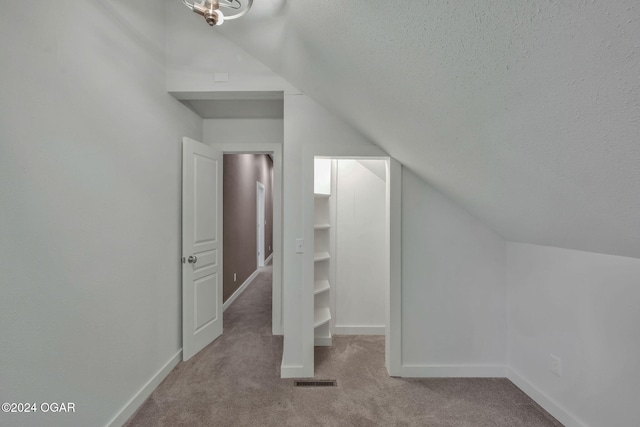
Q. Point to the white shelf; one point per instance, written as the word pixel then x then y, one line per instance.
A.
pixel 321 256
pixel 321 316
pixel 322 340
pixel 321 286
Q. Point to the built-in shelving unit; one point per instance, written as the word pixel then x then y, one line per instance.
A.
pixel 321 286
pixel 321 317
pixel 321 256
pixel 322 259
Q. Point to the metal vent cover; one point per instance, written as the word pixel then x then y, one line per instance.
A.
pixel 315 383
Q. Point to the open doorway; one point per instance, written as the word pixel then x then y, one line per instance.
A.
pixel 249 122
pixel 274 233
pixel 247 220
pixel 202 220
pixel 354 233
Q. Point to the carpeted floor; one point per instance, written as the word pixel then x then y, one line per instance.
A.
pixel 235 381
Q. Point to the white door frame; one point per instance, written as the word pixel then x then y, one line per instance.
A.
pixel 260 223
pixel 275 150
pixel 393 327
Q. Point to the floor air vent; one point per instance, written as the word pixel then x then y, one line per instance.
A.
pixel 315 383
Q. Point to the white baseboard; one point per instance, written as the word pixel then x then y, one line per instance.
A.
pixel 238 291
pixel 359 330
pixel 138 399
pixel 549 405
pixel 277 330
pixel 268 260
pixel 295 371
pixel 453 371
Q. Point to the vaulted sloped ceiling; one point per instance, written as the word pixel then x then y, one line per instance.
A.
pixel 526 112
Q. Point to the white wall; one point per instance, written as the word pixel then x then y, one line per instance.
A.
pixel 453 266
pixel 322 176
pixel 196 52
pixel 453 288
pixel 306 124
pixel 228 131
pixel 90 172
pixel 585 308
pixel 360 287
pixel 525 112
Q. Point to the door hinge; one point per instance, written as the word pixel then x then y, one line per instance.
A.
pixel 184 260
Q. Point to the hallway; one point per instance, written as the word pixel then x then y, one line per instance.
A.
pixel 235 382
pixel 224 384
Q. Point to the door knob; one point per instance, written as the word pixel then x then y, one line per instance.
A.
pixel 192 259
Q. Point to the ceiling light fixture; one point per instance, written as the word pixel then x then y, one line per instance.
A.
pixel 210 9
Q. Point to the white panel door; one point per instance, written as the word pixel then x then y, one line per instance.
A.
pixel 201 246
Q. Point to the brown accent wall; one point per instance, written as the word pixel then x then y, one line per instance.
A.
pixel 241 172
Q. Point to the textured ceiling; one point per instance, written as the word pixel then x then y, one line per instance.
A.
pixel 527 113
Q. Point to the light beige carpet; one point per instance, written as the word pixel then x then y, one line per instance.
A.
pixel 235 381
